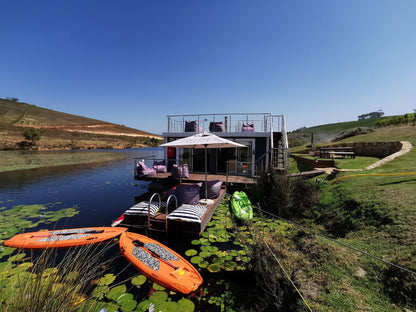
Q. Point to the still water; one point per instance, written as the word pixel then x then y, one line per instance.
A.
pixel 100 192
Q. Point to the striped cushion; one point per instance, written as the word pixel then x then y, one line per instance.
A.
pixel 142 207
pixel 188 213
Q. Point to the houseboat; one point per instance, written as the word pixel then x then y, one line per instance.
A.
pixel 183 204
pixel 263 134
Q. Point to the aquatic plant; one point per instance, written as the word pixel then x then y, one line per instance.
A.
pixel 42 285
pixel 21 217
pixel 218 248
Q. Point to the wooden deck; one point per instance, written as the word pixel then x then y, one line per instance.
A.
pixel 160 223
pixel 166 178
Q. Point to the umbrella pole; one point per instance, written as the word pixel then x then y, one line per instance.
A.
pixel 206 201
pixel 206 172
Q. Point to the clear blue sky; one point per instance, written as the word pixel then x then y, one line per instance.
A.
pixel 134 62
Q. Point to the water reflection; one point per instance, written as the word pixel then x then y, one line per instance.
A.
pixel 101 192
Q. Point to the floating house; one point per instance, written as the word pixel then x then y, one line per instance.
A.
pixel 263 134
pixel 182 170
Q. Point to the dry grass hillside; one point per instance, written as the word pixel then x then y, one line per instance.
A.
pixel 64 131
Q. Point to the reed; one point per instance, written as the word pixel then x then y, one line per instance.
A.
pixel 53 282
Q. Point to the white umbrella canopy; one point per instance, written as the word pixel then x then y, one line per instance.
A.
pixel 203 140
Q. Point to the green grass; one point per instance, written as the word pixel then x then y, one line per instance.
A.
pixel 18 160
pixel 326 133
pixel 374 213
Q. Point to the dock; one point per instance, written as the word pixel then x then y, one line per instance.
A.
pixel 166 179
pixel 160 222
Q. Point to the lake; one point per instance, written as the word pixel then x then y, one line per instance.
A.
pixel 101 193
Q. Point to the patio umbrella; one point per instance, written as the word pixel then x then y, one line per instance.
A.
pixel 203 140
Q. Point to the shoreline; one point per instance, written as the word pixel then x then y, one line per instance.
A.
pixel 13 160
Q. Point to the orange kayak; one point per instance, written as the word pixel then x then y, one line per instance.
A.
pixel 159 263
pixel 63 238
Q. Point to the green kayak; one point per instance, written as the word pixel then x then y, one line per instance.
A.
pixel 241 206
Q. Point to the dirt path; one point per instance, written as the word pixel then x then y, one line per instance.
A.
pixel 406 147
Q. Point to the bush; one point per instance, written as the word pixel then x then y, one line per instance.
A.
pixel 284 196
pixel 32 134
pixel 352 132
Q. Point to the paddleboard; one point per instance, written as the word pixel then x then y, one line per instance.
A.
pixel 241 206
pixel 159 263
pixel 64 238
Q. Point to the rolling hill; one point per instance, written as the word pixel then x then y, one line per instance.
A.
pixel 331 132
pixel 60 130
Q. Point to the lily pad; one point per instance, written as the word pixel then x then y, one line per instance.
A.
pixel 214 267
pixel 49 271
pixel 158 287
pixel 100 291
pixel 142 306
pixel 204 254
pixel 186 305
pixel 203 264
pixel 70 276
pixel 116 292
pixel 106 279
pixel 191 252
pixel 17 257
pixel 25 265
pixel 213 249
pixel 169 306
pixel 138 280
pixel 158 298
pixel 5 267
pixel 196 259
pixel 127 302
pixel 196 242
pixel 230 265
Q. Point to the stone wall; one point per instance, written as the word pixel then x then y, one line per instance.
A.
pixel 372 149
pixel 307 164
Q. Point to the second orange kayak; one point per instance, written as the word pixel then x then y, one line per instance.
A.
pixel 159 263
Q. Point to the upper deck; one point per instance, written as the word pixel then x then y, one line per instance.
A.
pixel 226 125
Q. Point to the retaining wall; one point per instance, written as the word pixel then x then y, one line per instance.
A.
pixel 370 149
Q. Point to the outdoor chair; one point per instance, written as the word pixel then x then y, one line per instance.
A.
pixel 143 170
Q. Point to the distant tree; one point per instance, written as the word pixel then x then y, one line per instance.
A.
pixel 32 134
pixel 376 114
pixel 414 116
pixel 13 99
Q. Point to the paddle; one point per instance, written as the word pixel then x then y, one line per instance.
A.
pixel 154 254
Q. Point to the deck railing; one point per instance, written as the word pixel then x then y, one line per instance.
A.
pixel 240 168
pixel 262 122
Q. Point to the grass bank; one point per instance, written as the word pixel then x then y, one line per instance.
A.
pixel 377 215
pixel 21 160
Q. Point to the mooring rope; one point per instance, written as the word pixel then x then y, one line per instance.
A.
pixel 287 276
pixel 341 243
pixel 371 174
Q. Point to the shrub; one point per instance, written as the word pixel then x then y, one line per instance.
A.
pixel 32 134
pixel 284 196
pixel 352 132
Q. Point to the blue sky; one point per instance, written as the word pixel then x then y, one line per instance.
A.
pixel 134 62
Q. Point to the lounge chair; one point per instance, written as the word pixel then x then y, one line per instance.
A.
pixel 143 170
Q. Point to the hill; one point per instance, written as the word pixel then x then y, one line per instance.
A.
pixel 60 130
pixel 332 132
